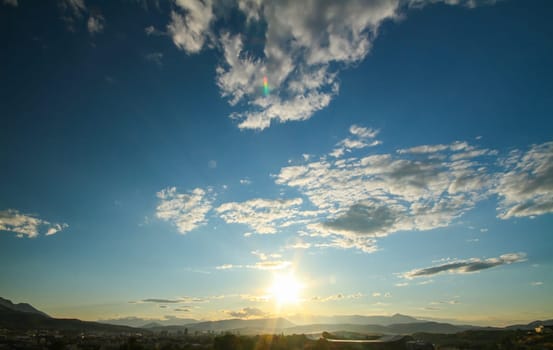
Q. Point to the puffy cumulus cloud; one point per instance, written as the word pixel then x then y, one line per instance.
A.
pixel 95 23
pixel 466 266
pixel 301 56
pixel 526 188
pixel 186 211
pixel 263 215
pixel 304 46
pixel 362 198
pixel 248 312
pixel 22 225
pixel 189 26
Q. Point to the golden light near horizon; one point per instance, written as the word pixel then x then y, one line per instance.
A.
pixel 285 289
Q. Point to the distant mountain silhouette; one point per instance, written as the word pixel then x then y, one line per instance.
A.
pixel 25 317
pixel 354 320
pixel 149 323
pixel 21 307
pixel 265 325
pixel 402 328
pixel 530 325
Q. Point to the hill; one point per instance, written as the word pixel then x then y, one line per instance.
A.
pixel 21 307
pixel 27 317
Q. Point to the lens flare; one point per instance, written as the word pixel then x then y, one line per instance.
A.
pixel 265 86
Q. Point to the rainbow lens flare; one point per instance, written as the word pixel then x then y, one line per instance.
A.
pixel 265 86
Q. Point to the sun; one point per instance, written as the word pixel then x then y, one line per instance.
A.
pixel 286 289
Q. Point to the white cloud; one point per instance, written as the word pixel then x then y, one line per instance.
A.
pixel 95 23
pixel 361 138
pixel 526 188
pixel 245 181
pixel 271 265
pixel 151 30
pixel 536 284
pixel 12 220
pixel 248 312
pixel 264 216
pixel 189 31
pixel 304 46
pixel 262 256
pixel 260 265
pixel 466 266
pixel 186 211
pixel 337 297
pixel 228 267
pixel 299 244
pixel 361 199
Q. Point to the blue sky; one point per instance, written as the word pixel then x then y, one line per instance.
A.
pixel 401 162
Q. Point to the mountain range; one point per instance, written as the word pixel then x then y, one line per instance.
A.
pixel 24 316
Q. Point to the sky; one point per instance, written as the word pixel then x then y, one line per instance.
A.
pixel 211 159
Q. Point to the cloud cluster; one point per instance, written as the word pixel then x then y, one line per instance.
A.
pixel 187 211
pixel 263 215
pixel 349 202
pixel 74 11
pixel 26 224
pixel 526 188
pixel 304 46
pixel 361 137
pixel 466 266
pixel 364 198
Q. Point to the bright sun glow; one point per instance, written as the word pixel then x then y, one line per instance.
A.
pixel 286 289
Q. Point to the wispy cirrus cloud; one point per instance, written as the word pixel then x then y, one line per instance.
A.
pixel 466 266
pixel 95 23
pixel 266 262
pixel 161 301
pixel 28 225
pixel 337 297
